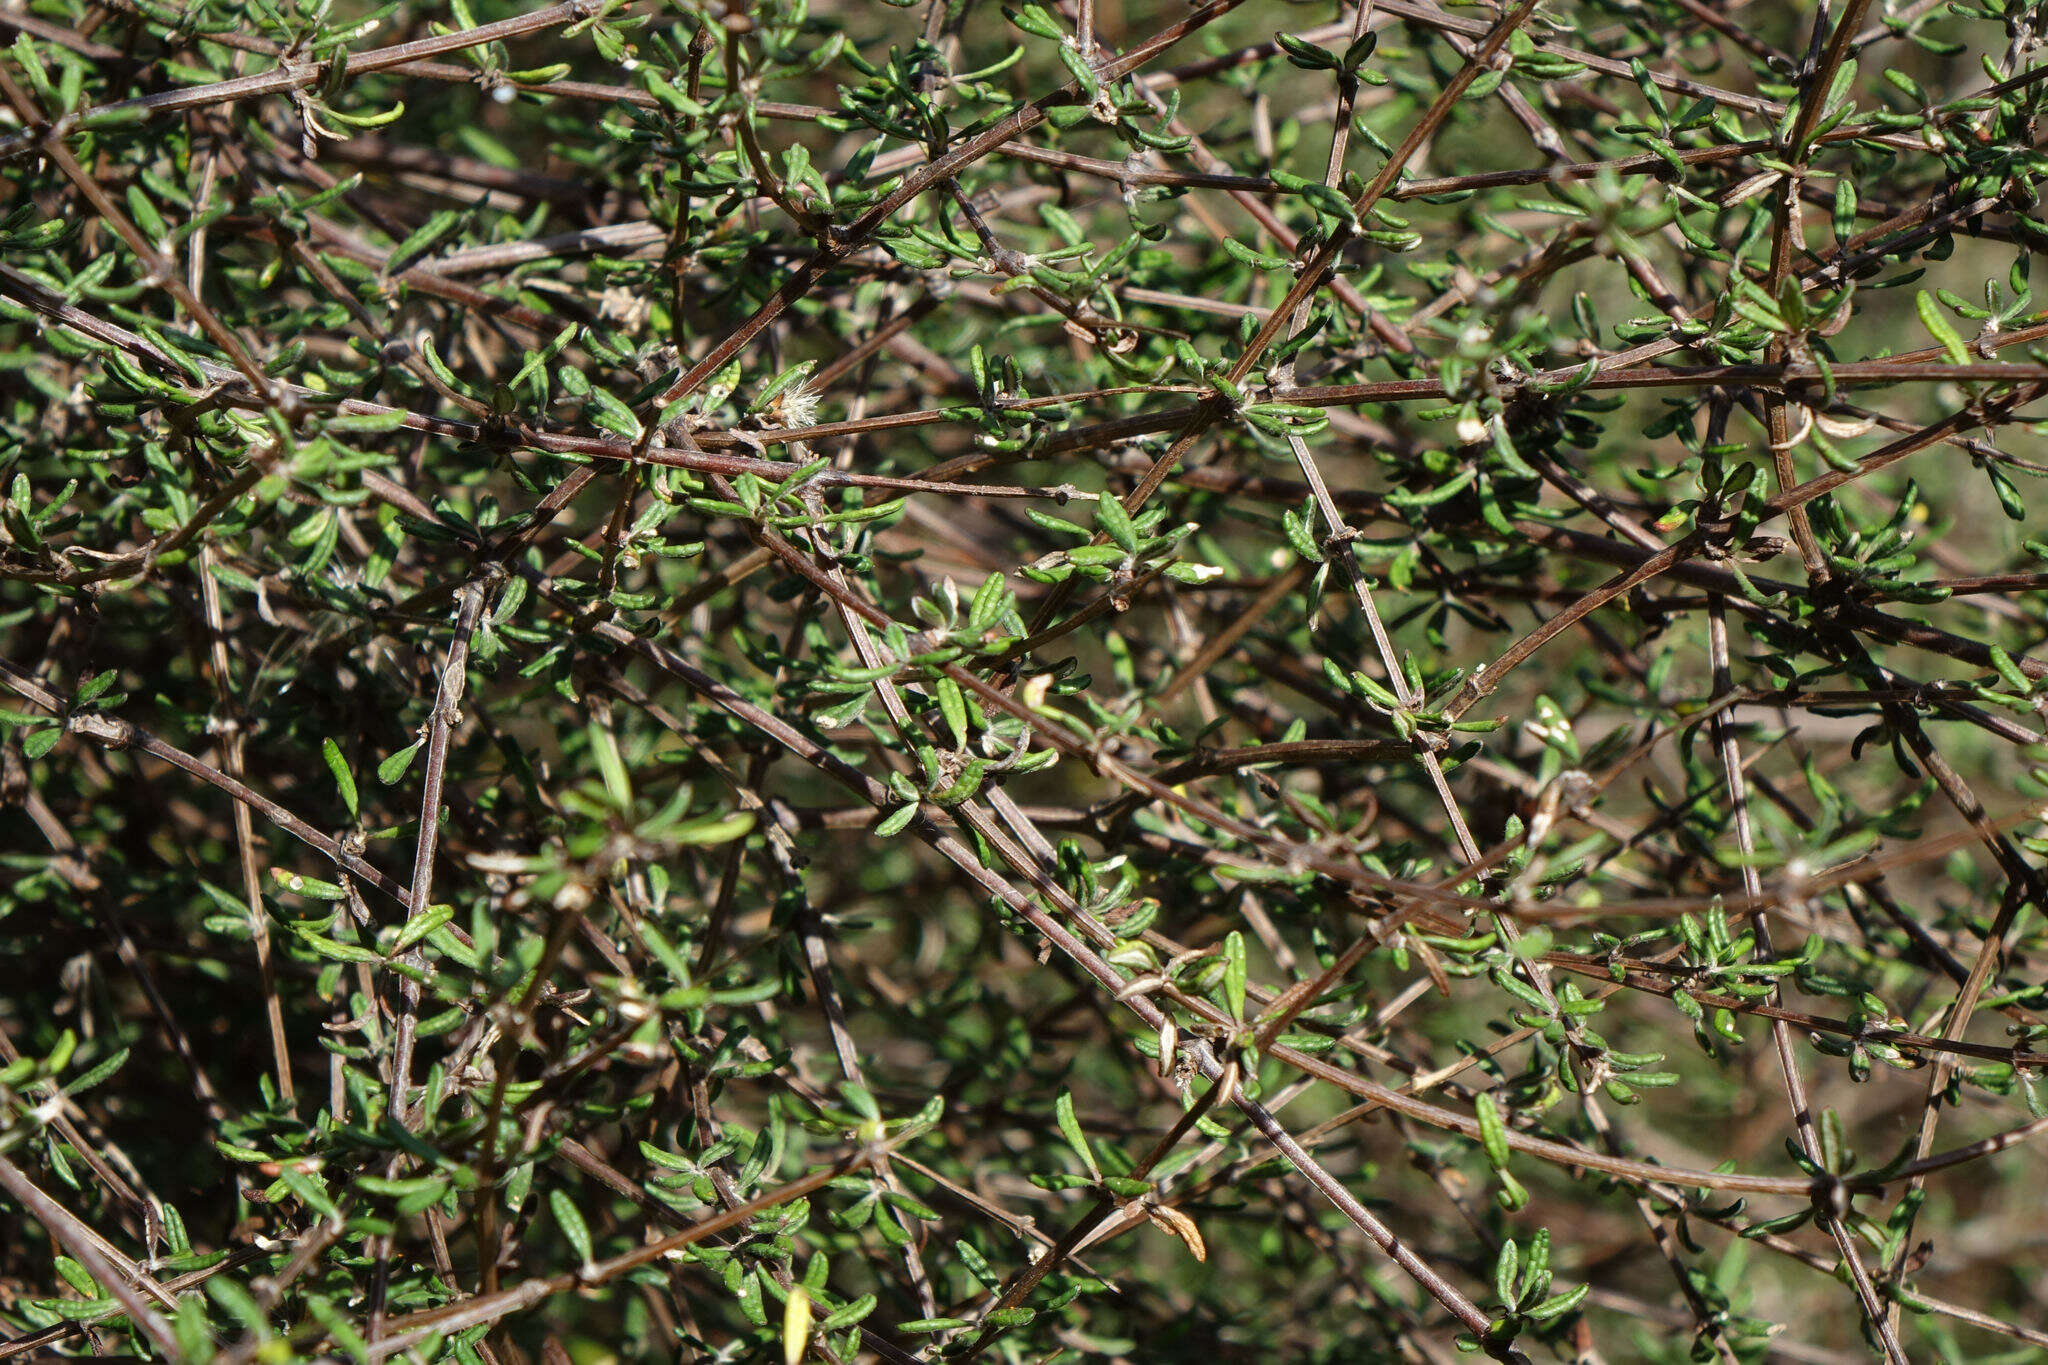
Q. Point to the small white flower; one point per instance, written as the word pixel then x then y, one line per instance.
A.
pixel 798 405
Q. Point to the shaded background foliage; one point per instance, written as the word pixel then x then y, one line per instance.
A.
pixel 1091 679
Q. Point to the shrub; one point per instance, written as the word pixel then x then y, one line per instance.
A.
pixel 940 680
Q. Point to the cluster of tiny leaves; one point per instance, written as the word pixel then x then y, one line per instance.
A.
pixel 922 680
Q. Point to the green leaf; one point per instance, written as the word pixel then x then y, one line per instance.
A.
pixel 569 1219
pixel 334 949
pixel 76 1276
pixel 1307 55
pixel 311 887
pixel 1493 1133
pixel 436 227
pixel 1557 1305
pixel 100 1072
pixel 796 1324
pixel 715 828
pixel 343 778
pixel 1505 1269
pixel 1070 1128
pixel 1255 259
pixel 1938 327
pixel 613 415
pixel 1079 69
pixel 393 768
pixel 1034 19
pixel 1113 521
pixel 604 747
pixel 854 1311
pixel 1361 51
pixel 420 925
pixel 93 687
pixel 953 706
pixel 1236 973
pixel 2015 679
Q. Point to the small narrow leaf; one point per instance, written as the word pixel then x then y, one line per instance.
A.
pixel 1236 973
pixel 1113 521
pixel 420 925
pixel 1493 1133
pixel 796 1324
pixel 953 706
pixel 1938 327
pixel 897 820
pixel 1070 1128
pixel 569 1219
pixel 343 778
pixel 393 768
